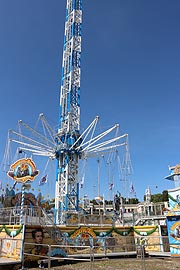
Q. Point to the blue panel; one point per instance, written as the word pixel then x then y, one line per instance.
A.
pixel 79 96
pixel 173 224
pixel 57 170
pixel 66 15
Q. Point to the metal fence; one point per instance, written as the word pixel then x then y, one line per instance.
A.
pixel 141 253
pixel 90 253
pixel 51 258
pixel 32 215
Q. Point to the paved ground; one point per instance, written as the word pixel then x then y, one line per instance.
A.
pixel 122 264
pixel 112 264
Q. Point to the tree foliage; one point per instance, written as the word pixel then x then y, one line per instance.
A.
pixel 159 197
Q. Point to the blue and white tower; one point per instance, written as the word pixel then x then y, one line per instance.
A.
pixel 68 145
pixel 69 121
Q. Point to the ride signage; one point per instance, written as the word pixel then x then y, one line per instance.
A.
pixel 23 170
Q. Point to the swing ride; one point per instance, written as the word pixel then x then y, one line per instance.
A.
pixel 66 146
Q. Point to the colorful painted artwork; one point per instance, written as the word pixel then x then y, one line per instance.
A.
pixel 40 243
pixel 11 241
pixel 142 237
pixel 173 223
pixel 23 170
pixel 174 199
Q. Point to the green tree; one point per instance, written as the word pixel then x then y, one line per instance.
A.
pixel 165 195
pixel 158 197
pixel 133 201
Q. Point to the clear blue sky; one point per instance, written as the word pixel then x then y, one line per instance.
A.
pixel 130 74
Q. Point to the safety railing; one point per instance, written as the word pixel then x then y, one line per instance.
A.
pixel 141 253
pixel 55 254
pixel 142 250
pixel 34 215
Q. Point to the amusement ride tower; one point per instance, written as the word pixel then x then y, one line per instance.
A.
pixel 68 138
pixel 68 145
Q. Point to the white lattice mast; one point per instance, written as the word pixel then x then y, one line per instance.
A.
pixel 69 122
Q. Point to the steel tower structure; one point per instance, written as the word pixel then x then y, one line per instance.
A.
pixel 69 121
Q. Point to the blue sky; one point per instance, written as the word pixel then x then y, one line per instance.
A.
pixel 130 74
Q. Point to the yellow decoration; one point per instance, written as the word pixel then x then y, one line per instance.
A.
pixel 83 230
